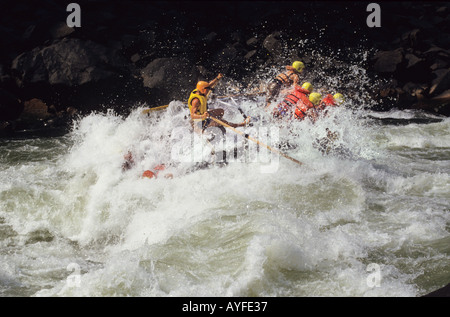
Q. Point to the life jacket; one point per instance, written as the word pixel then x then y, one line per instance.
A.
pixel 291 100
pixel 287 78
pixel 303 105
pixel 154 173
pixel 203 102
pixel 328 101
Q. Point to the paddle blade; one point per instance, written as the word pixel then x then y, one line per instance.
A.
pixel 145 111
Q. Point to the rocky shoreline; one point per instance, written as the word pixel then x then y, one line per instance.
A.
pixel 131 52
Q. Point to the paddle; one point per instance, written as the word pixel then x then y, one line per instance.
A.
pixel 146 111
pixel 239 108
pixel 256 141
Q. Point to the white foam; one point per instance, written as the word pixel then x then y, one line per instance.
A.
pixel 239 230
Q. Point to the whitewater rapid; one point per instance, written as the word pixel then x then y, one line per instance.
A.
pixel 370 222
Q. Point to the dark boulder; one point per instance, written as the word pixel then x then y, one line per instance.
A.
pixel 413 60
pixel 35 109
pixel 413 38
pixel 89 62
pixel 387 61
pixel 75 72
pixel 441 81
pixel 169 78
pixel 273 43
pixel 10 106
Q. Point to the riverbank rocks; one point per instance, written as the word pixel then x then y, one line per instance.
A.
pixel 170 77
pixel 10 106
pixel 69 62
pixel 418 57
pixel 35 109
pixel 387 61
pixel 129 53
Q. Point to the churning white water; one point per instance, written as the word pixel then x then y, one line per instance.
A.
pixel 369 219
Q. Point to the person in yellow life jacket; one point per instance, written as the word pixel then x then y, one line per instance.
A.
pixel 287 106
pixel 198 107
pixel 284 80
pixel 306 107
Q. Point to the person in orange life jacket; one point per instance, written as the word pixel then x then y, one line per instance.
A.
pixel 287 106
pixel 330 101
pixel 155 171
pixel 327 144
pixel 284 80
pixel 306 107
pixel 198 108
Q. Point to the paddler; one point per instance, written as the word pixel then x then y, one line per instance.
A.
pixel 286 107
pixel 306 107
pixel 330 101
pixel 284 80
pixel 327 144
pixel 198 108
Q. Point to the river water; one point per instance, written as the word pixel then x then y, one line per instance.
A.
pixel 371 218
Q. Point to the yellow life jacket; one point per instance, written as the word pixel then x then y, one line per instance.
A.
pixel 203 105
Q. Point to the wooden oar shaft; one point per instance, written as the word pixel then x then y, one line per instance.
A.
pixel 256 141
pixel 220 97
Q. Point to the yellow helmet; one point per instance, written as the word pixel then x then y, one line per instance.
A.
pixel 315 98
pixel 308 86
pixel 339 98
pixel 298 66
pixel 202 86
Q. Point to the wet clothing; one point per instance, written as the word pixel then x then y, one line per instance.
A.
pixel 203 102
pixel 206 123
pixel 288 78
pixel 287 106
pixel 303 107
pixel 285 79
pixel 328 101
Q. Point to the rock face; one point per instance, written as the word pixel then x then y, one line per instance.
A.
pixel 387 61
pixel 415 58
pixel 129 52
pixel 69 62
pixel 170 77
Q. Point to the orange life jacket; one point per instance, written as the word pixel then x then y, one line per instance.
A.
pixel 328 101
pixel 290 101
pixel 303 105
pixel 288 78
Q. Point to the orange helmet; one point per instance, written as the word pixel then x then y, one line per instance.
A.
pixel 202 86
